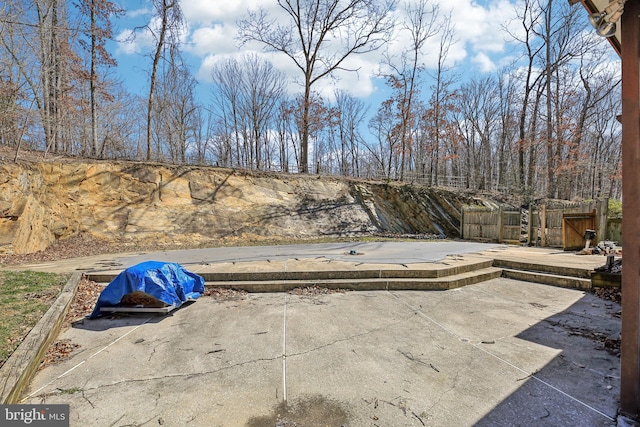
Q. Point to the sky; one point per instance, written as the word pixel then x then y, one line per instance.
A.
pixel 211 36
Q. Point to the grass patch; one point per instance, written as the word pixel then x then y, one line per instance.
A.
pixel 24 297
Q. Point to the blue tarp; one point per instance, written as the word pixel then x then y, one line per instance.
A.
pixel 166 281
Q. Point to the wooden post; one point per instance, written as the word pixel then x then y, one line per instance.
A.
pixel 530 227
pixel 543 226
pixel 500 225
pixel 630 349
pixel 602 209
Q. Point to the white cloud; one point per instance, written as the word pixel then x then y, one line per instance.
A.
pixel 209 61
pixel 212 28
pixel 481 26
pixel 207 11
pixel 132 42
pixel 138 12
pixel 358 83
pixel 212 40
pixel 485 63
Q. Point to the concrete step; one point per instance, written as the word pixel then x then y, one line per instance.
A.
pixel 330 274
pixel 436 277
pixel 241 275
pixel 583 273
pixel 364 283
pixel 562 281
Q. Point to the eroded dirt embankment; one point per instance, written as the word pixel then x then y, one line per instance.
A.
pixel 45 202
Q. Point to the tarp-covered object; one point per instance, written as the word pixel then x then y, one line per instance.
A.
pixel 167 282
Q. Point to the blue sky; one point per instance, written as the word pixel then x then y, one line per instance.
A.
pixel 480 45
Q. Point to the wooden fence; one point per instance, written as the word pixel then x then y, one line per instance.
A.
pixel 491 225
pixel 558 227
pixel 564 227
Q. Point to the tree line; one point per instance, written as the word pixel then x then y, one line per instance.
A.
pixel 543 126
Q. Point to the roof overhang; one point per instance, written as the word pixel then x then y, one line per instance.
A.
pixel 597 6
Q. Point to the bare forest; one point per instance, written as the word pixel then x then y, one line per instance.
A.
pixel 543 125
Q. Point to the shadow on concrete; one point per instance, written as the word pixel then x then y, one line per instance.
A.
pixel 580 386
pixel 125 319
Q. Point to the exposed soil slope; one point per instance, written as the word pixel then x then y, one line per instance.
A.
pixel 45 202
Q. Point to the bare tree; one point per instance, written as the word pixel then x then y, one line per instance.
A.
pixel 20 68
pixel 10 113
pixel 351 112
pixel 596 125
pixel 387 141
pixel 52 72
pixel 557 32
pixel 420 26
pixel 603 135
pixel 121 124
pixel 36 45
pixel 166 36
pixel 177 120
pixel 506 90
pixel 441 98
pixel 226 96
pixel 247 94
pixel 312 118
pixel 263 90
pixel 286 135
pixel 318 37
pixel 480 110
pixel 529 17
pixel 99 13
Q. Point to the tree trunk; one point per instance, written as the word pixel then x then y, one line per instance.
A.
pixel 92 83
pixel 154 72
pixel 304 137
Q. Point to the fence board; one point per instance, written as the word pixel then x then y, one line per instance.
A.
pixel 494 225
pixel 511 227
pixel 480 224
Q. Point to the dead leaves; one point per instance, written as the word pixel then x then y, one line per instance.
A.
pixel 315 290
pixel 611 294
pixel 83 302
pixel 57 352
pixel 82 305
pixel 224 294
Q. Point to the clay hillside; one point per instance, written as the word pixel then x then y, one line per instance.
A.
pixel 45 202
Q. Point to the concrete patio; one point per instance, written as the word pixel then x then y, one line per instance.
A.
pixel 495 352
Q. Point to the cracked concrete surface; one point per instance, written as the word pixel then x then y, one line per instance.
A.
pixel 502 352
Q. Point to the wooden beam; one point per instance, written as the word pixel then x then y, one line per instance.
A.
pixel 630 348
